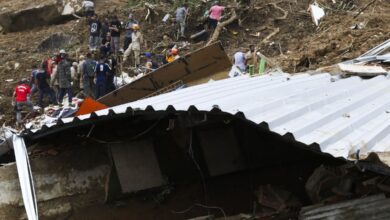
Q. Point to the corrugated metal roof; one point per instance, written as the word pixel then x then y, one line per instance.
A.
pixel 373 207
pixel 341 115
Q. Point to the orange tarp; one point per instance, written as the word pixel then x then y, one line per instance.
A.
pixel 89 105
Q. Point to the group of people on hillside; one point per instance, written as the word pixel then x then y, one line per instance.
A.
pixel 60 75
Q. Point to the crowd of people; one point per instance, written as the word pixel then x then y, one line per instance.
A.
pixel 93 75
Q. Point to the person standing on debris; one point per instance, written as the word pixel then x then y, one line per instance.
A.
pixel 88 75
pixel 33 78
pixel 239 61
pixel 44 89
pixel 181 17
pixel 129 31
pixel 88 7
pixel 105 29
pixel 215 14
pixel 94 33
pixel 64 78
pixel 111 74
pixel 22 99
pixel 80 72
pixel 105 48
pixel 135 46
pixel 101 73
pixel 54 80
pixel 115 30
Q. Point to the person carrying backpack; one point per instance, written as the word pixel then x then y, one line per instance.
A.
pixel 88 75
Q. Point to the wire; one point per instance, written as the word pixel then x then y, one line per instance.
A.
pixel 202 206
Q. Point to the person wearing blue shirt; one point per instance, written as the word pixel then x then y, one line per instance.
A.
pixel 102 71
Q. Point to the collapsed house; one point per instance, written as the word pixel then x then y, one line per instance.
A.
pixel 289 146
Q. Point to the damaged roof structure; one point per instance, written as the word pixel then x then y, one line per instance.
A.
pixel 318 110
pixel 291 137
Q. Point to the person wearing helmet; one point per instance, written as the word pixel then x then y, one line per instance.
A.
pixel 129 31
pixel 135 46
pixel 22 99
pixel 173 55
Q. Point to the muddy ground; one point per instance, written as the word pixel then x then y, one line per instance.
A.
pixel 283 30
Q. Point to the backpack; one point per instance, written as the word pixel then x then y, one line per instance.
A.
pixel 89 68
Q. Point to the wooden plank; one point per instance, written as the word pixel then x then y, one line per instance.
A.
pixel 199 64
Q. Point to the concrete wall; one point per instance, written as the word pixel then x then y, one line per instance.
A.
pixel 64 183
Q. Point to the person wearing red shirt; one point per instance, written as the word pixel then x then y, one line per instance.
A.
pixel 22 99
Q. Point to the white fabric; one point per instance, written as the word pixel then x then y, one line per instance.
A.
pixel 25 178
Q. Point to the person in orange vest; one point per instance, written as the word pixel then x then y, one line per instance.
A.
pixel 22 99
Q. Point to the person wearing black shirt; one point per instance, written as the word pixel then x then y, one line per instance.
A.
pixel 115 29
pixel 94 33
pixel 41 80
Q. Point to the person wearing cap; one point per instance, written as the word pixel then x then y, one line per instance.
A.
pixel 94 33
pixel 129 31
pixel 21 99
pixel 135 46
pixel 181 17
pixel 150 65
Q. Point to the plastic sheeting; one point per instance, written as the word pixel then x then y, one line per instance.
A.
pixel 25 178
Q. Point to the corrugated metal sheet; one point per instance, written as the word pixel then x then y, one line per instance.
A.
pixel 340 115
pixel 373 207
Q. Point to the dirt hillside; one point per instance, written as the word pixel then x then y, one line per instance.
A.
pixel 283 30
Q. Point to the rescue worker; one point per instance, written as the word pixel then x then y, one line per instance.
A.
pixel 239 60
pixel 181 17
pixel 88 75
pixel 102 71
pixel 150 65
pixel 215 14
pixel 64 78
pixel 44 89
pixel 135 46
pixel 173 55
pixel 80 71
pixel 115 30
pixel 129 31
pixel 22 99
pixel 94 33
